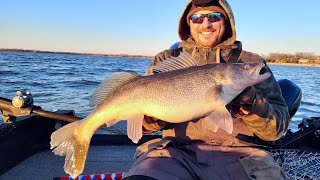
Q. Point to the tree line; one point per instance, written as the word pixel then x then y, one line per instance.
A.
pixel 301 58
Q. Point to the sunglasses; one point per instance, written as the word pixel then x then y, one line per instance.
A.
pixel 212 17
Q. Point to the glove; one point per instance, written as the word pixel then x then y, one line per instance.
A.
pixel 151 125
pixel 242 104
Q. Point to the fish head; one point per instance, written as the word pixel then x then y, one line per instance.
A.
pixel 244 75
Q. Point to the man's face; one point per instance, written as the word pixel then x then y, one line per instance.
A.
pixel 207 34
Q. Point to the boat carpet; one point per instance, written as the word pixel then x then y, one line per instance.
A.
pixel 297 164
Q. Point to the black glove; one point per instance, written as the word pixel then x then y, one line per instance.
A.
pixel 242 104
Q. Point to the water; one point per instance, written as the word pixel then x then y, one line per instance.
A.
pixel 61 81
pixel 66 81
pixel 307 79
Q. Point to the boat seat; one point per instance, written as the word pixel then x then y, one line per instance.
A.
pixel 292 95
pixel 175 45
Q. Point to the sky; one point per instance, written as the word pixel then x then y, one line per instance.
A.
pixel 146 27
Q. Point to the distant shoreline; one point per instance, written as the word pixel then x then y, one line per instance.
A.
pixel 294 64
pixel 134 56
pixel 75 53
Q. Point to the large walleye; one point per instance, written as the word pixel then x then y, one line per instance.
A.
pixel 183 91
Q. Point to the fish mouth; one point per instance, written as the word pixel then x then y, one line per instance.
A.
pixel 261 73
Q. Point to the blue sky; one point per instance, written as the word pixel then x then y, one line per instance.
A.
pixel 146 27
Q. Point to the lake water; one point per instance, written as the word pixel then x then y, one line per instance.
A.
pixel 66 81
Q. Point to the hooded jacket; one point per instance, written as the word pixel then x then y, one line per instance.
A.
pixel 268 116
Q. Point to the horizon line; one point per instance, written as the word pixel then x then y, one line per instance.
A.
pixel 74 53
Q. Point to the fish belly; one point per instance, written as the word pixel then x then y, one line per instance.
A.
pixel 179 113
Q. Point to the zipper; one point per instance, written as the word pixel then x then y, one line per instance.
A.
pixel 207 55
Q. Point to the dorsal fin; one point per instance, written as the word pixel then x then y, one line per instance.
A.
pixel 184 60
pixel 112 83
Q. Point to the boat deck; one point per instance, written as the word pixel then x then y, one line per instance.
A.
pixel 45 165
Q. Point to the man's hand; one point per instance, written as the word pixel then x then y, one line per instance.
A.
pixel 151 125
pixel 242 104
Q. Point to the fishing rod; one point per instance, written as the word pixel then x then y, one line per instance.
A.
pixel 22 105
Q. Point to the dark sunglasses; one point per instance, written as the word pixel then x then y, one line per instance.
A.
pixel 212 17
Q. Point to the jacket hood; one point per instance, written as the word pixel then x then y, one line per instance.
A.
pixel 230 36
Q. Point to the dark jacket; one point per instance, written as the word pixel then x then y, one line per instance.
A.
pixel 268 116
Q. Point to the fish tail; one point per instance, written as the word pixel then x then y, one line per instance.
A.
pixel 68 142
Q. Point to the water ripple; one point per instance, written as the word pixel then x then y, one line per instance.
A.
pixel 66 81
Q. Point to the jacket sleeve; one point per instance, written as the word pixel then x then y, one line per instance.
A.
pixel 151 124
pixel 268 115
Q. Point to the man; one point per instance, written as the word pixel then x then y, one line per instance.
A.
pixel 191 151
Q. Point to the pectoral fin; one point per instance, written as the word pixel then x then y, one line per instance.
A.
pixel 134 128
pixel 220 118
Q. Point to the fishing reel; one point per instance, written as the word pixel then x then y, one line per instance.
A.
pixel 22 99
pixel 20 105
